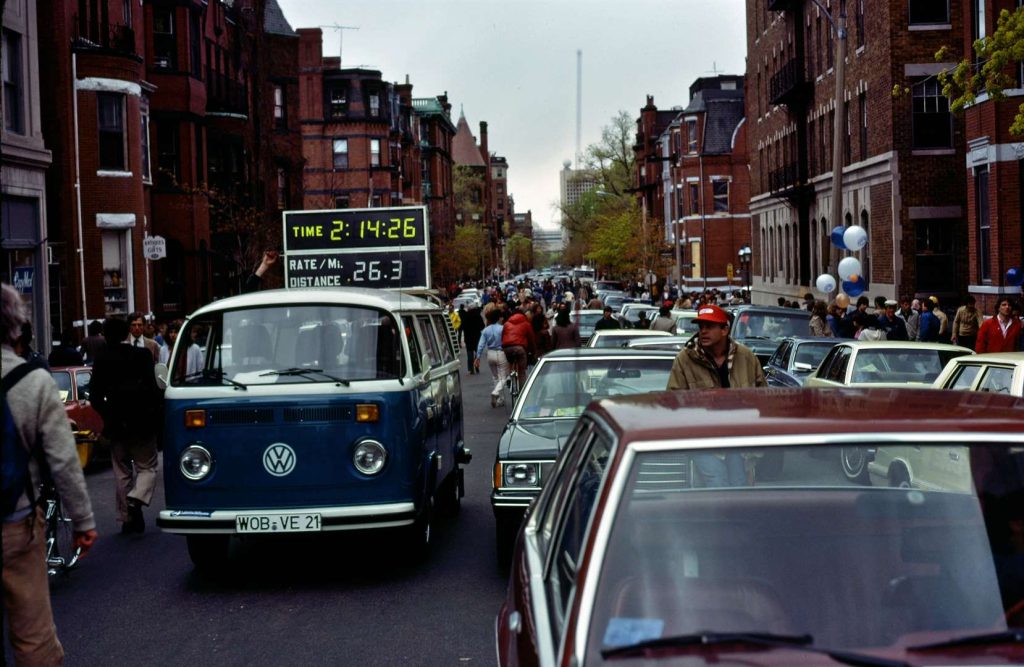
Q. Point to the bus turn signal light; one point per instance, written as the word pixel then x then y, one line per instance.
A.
pixel 367 412
pixel 195 418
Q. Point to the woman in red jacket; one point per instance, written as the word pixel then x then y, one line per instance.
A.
pixel 1000 333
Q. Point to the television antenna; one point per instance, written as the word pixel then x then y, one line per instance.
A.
pixel 340 29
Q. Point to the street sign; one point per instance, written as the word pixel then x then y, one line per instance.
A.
pixel 369 247
pixel 154 247
pixel 23 278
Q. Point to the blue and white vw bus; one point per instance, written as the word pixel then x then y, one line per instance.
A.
pixel 312 410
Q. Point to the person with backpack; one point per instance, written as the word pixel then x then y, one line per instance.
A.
pixel 37 445
pixel 124 391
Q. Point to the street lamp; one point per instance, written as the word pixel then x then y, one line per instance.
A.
pixel 745 253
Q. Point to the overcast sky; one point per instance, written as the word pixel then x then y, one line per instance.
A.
pixel 512 63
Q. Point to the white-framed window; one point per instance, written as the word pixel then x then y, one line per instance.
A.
pixel 374 104
pixel 374 152
pixel 340 153
pixel 933 123
pixel 720 191
pixel 110 111
pixel 691 136
pixel 279 107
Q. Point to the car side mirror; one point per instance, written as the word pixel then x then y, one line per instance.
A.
pixel 160 371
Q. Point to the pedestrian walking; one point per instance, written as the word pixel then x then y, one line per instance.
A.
pixel 1001 333
pixel 193 353
pixel 713 359
pixel 136 335
pixel 928 326
pixel 910 313
pixel 566 333
pixel 489 347
pixel 664 321
pixel 889 322
pixel 94 342
pixel 125 393
pixel 40 428
pixel 966 324
pixel 472 325
pixel 945 330
pixel 66 353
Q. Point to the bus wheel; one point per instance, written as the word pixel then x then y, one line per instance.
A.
pixel 208 551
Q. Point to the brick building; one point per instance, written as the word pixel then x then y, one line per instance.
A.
pixel 994 175
pixel 24 159
pixel 436 133
pixel 903 154
pixel 706 183
pixel 648 159
pixel 467 153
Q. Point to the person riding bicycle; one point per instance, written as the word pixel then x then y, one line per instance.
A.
pixel 42 428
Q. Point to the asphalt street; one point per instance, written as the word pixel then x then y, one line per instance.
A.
pixel 345 599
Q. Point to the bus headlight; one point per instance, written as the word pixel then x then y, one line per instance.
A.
pixel 369 457
pixel 195 462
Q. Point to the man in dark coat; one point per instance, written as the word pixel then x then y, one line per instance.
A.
pixel 472 326
pixel 124 391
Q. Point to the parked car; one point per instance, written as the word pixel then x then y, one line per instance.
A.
pixel 469 298
pixel 673 343
pixel 761 328
pixel 621 337
pixel 586 318
pixel 1000 373
pixel 73 384
pixel 629 557
pixel 615 300
pixel 555 394
pixel 795 359
pixel 883 363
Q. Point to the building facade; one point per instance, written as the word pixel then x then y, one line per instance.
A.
pixel 24 159
pixel 902 153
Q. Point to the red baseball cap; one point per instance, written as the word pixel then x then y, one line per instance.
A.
pixel 712 314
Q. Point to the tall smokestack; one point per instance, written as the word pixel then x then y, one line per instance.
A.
pixel 579 104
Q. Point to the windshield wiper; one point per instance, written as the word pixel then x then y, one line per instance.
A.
pixel 794 642
pixel 215 375
pixel 306 371
pixel 1012 636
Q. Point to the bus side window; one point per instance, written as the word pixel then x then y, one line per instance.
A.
pixel 429 340
pixel 415 350
pixel 442 337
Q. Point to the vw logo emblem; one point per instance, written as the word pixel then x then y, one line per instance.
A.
pixel 279 459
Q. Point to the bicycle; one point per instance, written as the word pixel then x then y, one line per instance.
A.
pixel 61 554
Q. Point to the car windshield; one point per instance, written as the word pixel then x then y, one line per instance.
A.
pixel 901 365
pixel 563 388
pixel 685 323
pixel 587 321
pixel 853 566
pixel 63 380
pixel 770 325
pixel 284 344
pixel 812 353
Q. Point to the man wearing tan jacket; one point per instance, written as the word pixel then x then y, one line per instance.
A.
pixel 711 359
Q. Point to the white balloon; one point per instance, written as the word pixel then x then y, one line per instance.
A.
pixel 855 237
pixel 849 266
pixel 825 283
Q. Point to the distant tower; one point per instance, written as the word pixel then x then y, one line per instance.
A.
pixel 579 104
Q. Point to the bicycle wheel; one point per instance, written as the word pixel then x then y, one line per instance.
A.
pixel 61 554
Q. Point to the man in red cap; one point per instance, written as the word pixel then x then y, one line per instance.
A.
pixel 711 359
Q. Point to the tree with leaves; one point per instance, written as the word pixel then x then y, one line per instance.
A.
pixel 991 71
pixel 520 253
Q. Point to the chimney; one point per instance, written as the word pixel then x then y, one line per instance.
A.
pixel 483 144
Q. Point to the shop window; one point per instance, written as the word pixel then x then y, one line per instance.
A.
pixel 165 48
pixel 110 110
pixel 341 153
pixel 115 274
pixel 12 82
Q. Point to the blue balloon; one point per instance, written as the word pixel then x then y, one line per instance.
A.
pixel 855 287
pixel 1015 277
pixel 837 237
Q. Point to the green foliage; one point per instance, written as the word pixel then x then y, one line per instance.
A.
pixel 612 159
pixel 990 72
pixel 468 191
pixel 469 249
pixel 520 253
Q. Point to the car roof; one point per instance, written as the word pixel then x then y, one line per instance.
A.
pixel 812 339
pixel 828 411
pixel 588 311
pixel 383 299
pixel 992 358
pixel 598 352
pixel 900 345
pixel 631 332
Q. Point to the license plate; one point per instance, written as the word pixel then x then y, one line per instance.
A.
pixel 277 523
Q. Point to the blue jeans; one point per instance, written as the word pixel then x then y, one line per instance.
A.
pixel 716 472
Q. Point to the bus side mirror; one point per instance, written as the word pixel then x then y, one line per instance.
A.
pixel 160 371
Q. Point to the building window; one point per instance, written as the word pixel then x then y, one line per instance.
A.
pixel 374 104
pixel 935 263
pixel 691 136
pixel 979 19
pixel 282 189
pixel 337 97
pixel 694 198
pixel 116 272
pixel 165 49
pixel 147 173
pixel 127 8
pixel 110 110
pixel 279 118
pixel 341 153
pixel 374 152
pixel 12 82
pixel 167 152
pixel 721 194
pixel 929 11
pixel 863 100
pixel 933 124
pixel 830 47
pixel 984 225
pixel 195 43
pixel 861 37
pixel 200 162
pixel 341 201
pixel 376 201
